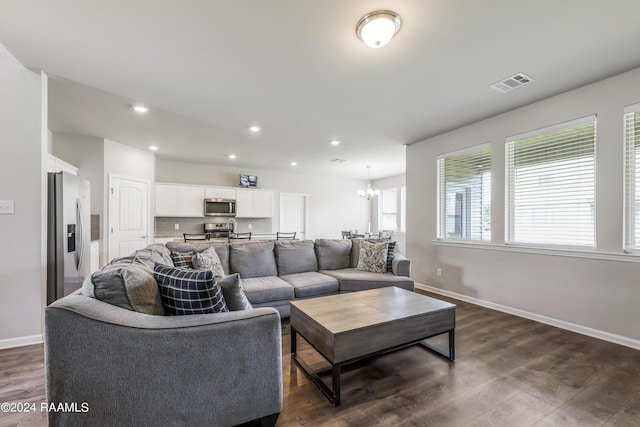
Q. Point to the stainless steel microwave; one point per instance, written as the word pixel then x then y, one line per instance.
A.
pixel 219 207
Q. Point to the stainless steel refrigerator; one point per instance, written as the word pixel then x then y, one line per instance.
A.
pixel 68 234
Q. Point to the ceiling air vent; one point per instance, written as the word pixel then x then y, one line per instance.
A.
pixel 336 160
pixel 512 82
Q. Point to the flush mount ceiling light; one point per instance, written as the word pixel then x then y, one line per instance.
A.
pixel 293 163
pixel 254 129
pixel 335 142
pixel 140 108
pixel 153 148
pixel 231 156
pixel 377 28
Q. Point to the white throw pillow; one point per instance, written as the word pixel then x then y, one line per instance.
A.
pixel 208 260
pixel 373 257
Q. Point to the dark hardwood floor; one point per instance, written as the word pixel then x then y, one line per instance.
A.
pixel 508 371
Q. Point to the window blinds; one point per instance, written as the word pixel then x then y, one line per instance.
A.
pixel 464 187
pixel 551 186
pixel 632 178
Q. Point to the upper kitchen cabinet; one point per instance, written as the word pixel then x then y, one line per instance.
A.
pixel 179 200
pixel 220 193
pixel 254 203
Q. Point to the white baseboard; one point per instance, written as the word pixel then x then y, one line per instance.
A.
pixel 20 341
pixel 595 333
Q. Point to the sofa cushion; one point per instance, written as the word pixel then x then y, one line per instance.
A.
pixel 373 257
pixel 352 279
pixel 333 254
pixel 222 249
pixel 233 293
pixel 129 286
pixel 188 291
pixel 253 259
pixel 182 259
pixel 295 256
pixel 311 284
pixel 266 289
pixel 208 260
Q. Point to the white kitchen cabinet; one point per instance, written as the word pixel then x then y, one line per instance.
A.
pixel 228 193
pixel 174 200
pixel 55 164
pixel 254 203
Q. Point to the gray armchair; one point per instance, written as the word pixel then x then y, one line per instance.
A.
pixel 136 369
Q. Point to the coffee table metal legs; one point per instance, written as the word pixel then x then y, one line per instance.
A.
pixel 333 393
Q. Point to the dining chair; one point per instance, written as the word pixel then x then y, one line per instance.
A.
pixel 190 237
pixel 282 236
pixel 240 236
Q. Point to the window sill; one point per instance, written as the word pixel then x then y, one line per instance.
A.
pixel 565 252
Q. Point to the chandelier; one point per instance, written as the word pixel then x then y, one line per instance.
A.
pixel 369 193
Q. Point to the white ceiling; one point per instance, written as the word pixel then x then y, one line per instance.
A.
pixel 210 68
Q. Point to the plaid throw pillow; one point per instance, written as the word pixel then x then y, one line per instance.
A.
pixel 188 292
pixel 373 257
pixel 390 253
pixel 182 259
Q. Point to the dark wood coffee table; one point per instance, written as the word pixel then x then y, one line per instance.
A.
pixel 345 328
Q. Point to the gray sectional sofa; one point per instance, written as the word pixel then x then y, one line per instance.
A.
pixel 110 345
pixel 275 272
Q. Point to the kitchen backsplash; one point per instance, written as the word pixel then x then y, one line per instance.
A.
pixel 166 226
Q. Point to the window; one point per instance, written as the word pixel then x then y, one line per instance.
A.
pixel 632 178
pixel 389 209
pixel 551 185
pixel 403 208
pixel 464 195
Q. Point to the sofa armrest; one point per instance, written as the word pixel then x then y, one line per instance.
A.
pixel 401 265
pixel 136 369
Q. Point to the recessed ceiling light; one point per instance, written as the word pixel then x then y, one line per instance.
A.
pixel 140 108
pixel 293 163
pixel 335 142
pixel 232 156
pixel 153 148
pixel 254 128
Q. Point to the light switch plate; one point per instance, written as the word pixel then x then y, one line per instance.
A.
pixel 7 207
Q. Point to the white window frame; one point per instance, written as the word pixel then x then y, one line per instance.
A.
pixel 631 170
pixel 441 193
pixel 381 211
pixel 509 207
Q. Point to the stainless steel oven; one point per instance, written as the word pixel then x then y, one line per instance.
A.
pixel 220 207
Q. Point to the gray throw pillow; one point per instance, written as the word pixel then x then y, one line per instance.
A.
pixel 373 257
pixel 127 286
pixel 208 260
pixel 233 293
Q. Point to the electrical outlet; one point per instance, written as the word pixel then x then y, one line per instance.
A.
pixel 439 272
pixel 177 226
pixel 249 226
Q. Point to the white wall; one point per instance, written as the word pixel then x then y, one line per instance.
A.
pixel 397 182
pixel 23 108
pixel 87 154
pixel 334 204
pixel 598 296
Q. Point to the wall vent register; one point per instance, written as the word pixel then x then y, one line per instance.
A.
pixel 512 82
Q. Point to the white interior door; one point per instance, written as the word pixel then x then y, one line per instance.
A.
pixel 293 214
pixel 128 215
